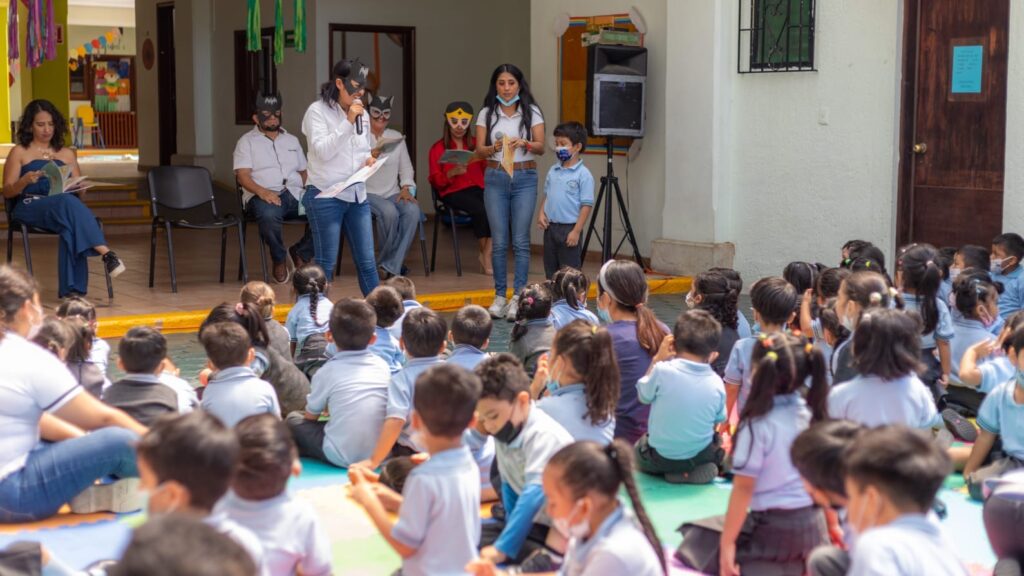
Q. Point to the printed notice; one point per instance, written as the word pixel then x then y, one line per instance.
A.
pixel 968 62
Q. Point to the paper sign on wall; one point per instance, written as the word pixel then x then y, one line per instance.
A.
pixel 968 63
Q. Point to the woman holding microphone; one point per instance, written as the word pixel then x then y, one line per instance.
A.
pixel 337 130
pixel 509 111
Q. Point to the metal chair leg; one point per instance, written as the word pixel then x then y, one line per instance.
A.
pixel 433 253
pixel 224 251
pixel 106 273
pixel 423 249
pixel 170 258
pixel 152 252
pixel 240 254
pixel 10 241
pixel 263 259
pixel 241 250
pixel 27 248
pixel 455 244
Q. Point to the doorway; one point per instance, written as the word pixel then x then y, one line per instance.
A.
pixel 953 124
pixel 167 99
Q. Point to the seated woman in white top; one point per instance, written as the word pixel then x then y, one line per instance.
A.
pixel 44 415
pixel 390 191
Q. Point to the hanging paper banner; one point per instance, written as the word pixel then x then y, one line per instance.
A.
pixel 103 41
pixel 50 44
pixel 12 31
pixel 278 33
pixel 300 25
pixel 252 28
pixel 34 40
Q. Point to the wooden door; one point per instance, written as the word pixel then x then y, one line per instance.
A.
pixel 167 99
pixel 953 132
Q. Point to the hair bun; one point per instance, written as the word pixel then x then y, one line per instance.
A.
pixel 875 298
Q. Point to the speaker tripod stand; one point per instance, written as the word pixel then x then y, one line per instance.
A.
pixel 610 183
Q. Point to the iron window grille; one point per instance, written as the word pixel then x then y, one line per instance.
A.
pixel 776 36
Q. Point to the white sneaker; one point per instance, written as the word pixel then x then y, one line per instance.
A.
pixel 513 309
pixel 499 308
pixel 120 496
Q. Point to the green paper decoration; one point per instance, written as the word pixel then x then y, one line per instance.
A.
pixel 278 33
pixel 300 25
pixel 252 30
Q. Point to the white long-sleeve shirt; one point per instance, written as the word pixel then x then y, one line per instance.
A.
pixel 335 152
pixel 397 171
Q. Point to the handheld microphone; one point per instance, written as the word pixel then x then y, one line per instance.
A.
pixel 499 136
pixel 359 125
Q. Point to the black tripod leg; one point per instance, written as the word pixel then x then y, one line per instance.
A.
pixel 593 219
pixel 628 226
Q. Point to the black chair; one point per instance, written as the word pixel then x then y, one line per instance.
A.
pixel 423 246
pixel 15 225
pixel 443 213
pixel 182 188
pixel 248 217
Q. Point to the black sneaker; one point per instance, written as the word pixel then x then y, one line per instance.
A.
pixel 113 264
pixel 1007 567
pixel 961 427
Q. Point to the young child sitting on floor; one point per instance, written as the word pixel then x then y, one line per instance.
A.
pixel 470 335
pixel 886 355
pixel 423 339
pixel 70 339
pixel 526 438
pixel 814 303
pixel 234 391
pixel 817 454
pixel 687 402
pixel 583 483
pixel 307 320
pixel 172 544
pixel 141 393
pixel 186 464
pixel 569 288
pixel 860 293
pixel 438 524
pixel 99 353
pixel 352 387
pixel 407 290
pixel 288 529
pixel 262 296
pixel 580 382
pixel 386 302
pixel 892 476
pixel 783 524
pixel 533 331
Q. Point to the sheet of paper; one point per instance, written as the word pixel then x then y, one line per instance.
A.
pixel 361 175
pixel 387 144
pixel 508 155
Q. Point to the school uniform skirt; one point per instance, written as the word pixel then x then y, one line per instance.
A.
pixel 772 542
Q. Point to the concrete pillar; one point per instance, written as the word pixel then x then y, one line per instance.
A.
pixel 194 77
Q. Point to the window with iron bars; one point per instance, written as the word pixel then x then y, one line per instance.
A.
pixel 776 36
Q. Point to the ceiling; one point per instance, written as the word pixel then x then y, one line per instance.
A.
pixel 103 3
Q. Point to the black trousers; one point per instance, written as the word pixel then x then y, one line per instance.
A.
pixel 556 252
pixel 471 201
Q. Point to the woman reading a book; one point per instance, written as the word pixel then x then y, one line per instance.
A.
pixel 457 173
pixel 30 197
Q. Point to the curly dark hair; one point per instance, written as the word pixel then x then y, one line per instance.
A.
pixel 60 125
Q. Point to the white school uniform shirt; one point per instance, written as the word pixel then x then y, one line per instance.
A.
pixel 353 386
pixel 466 356
pixel 401 392
pixel 1001 414
pixel 275 163
pixel 397 171
pixel 568 406
pixel 618 547
pixel 911 545
pixel 511 126
pixel 32 381
pixel 100 354
pixel 440 515
pixel 244 537
pixel 188 400
pixel 762 452
pixel 300 324
pixel 288 530
pixel 336 152
pixel 396 328
pixel 234 394
pixel 481 446
pixel 687 400
pixel 872 401
pixel 522 461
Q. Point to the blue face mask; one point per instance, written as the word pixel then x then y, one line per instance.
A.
pixel 564 153
pixel 1020 379
pixel 508 102
pixel 604 316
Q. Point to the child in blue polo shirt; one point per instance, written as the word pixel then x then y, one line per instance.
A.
pixel 438 524
pixel 470 335
pixel 407 290
pixel 569 289
pixel 234 391
pixel 569 198
pixel 687 401
pixel 1007 251
pixel 387 303
pixel 424 335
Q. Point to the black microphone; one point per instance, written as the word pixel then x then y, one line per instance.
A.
pixel 359 125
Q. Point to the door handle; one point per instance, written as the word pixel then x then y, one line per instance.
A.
pixel 921 148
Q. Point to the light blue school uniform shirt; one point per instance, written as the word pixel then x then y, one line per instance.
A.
pixel 943 329
pixel 236 393
pixel 466 356
pixel 618 547
pixel 400 395
pixel 821 344
pixel 873 401
pixel 966 333
pixel 440 515
pixel 388 349
pixel 996 371
pixel 739 370
pixel 911 545
pixel 945 289
pixel 300 322
pixel 562 314
pixel 353 387
pixel 1012 298
pixel 396 328
pixel 743 325
pixel 481 446
pixel 762 452
pixel 1001 414
pixel 687 400
pixel 567 405
pixel 566 191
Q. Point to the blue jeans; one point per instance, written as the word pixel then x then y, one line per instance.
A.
pixel 328 217
pixel 398 223
pixel 270 219
pixel 79 233
pixel 57 472
pixel 510 202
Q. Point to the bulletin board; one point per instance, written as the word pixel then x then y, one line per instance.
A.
pixel 573 71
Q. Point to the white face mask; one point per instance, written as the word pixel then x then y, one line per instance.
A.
pixel 577 531
pixel 864 524
pixel 690 302
pixel 36 323
pixel 953 273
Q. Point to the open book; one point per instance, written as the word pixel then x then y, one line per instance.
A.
pixel 62 181
pixel 459 157
pixel 386 145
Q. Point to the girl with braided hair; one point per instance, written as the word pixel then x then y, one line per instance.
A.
pixel 308 320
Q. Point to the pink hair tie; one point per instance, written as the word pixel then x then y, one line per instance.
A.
pixel 240 309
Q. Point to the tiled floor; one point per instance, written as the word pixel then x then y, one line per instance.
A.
pixel 197 257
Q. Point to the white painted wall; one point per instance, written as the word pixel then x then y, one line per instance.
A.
pixel 1013 188
pixel 646 183
pixel 79 35
pixel 108 16
pixel 146 108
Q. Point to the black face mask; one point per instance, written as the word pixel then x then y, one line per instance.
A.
pixel 509 432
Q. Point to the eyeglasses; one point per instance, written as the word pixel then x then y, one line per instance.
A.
pixel 378 114
pixel 456 122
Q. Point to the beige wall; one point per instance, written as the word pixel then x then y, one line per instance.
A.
pixel 146 86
